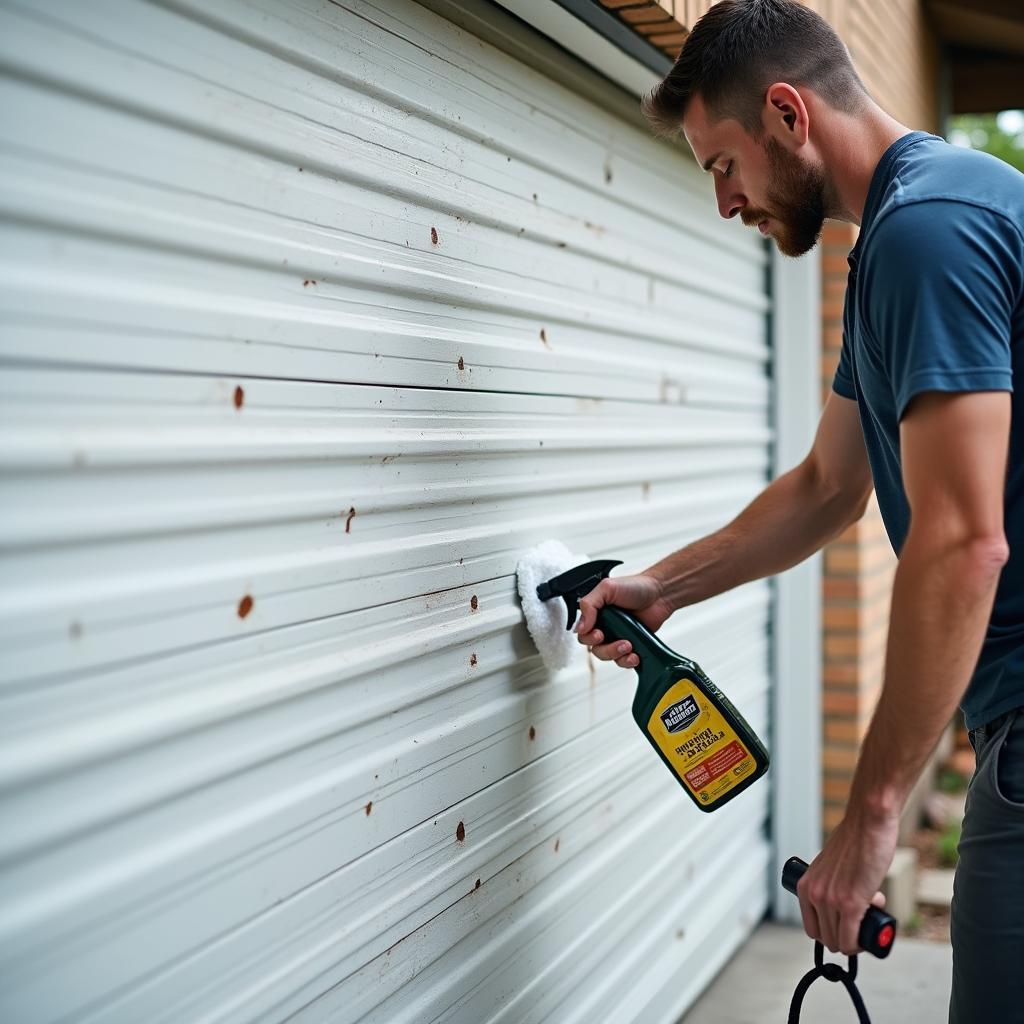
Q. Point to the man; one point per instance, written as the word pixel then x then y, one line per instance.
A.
pixel 923 409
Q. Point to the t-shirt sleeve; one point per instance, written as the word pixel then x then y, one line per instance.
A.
pixel 941 285
pixel 842 382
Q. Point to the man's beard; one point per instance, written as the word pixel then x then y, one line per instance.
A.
pixel 797 195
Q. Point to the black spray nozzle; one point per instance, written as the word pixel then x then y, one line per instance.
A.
pixel 576 583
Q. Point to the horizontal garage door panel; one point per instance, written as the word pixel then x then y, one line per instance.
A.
pixel 293 498
pixel 270 241
pixel 315 316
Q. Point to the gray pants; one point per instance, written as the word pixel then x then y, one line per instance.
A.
pixel 987 923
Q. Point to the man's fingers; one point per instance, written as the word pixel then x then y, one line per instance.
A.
pixel 621 652
pixel 583 623
pixel 849 926
pixel 821 921
pixel 588 613
pixel 837 930
pixel 809 917
pixel 614 651
pixel 849 933
pixel 808 912
pixel 830 924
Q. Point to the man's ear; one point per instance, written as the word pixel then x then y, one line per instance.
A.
pixel 785 115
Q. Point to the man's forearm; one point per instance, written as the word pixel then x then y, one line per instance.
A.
pixel 941 603
pixel 787 522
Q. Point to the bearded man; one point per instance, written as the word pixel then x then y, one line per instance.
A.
pixel 922 409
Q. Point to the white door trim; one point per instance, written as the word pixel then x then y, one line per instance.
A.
pixel 796 708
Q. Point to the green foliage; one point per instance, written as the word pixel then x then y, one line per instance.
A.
pixel 950 781
pixel 1000 134
pixel 947 844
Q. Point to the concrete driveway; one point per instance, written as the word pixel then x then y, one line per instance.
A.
pixel 910 987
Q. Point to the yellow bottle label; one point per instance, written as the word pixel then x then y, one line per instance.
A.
pixel 702 747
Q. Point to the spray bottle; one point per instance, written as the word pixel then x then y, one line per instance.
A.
pixel 705 742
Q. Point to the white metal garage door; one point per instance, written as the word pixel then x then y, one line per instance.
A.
pixel 315 315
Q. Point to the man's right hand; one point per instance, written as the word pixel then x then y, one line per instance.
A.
pixel 643 595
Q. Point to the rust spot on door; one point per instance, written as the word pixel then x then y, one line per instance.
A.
pixel 477 886
pixel 544 337
pixel 474 603
pixel 369 807
pixel 558 843
pixel 239 397
pixel 348 520
pixel 308 282
pixel 460 833
pixel 472 660
pixel 433 235
pixel 646 489
pixel 462 363
pixel 533 733
pixel 244 606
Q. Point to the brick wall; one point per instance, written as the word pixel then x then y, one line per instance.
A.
pixel 891 44
pixel 896 55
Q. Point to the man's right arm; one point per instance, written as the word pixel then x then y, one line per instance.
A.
pixel 793 517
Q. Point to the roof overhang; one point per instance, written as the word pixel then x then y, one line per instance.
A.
pixel 985 44
pixel 598 37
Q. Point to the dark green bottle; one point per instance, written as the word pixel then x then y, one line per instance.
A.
pixel 705 742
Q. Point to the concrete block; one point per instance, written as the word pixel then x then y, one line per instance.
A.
pixel 935 887
pixel 942 809
pixel 910 819
pixel 900 885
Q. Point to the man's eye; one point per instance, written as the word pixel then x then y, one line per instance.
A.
pixel 728 171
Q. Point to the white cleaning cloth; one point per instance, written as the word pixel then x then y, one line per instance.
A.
pixel 545 620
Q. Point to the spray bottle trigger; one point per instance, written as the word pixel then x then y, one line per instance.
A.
pixel 574 583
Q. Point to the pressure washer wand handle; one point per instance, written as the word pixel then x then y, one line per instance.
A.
pixel 877 929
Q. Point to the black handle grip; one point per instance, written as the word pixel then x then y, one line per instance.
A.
pixel 877 930
pixel 619 624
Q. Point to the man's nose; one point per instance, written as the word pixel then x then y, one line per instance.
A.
pixel 730 202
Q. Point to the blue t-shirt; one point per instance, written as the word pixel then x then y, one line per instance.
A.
pixel 935 302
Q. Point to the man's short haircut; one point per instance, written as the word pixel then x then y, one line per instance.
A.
pixel 738 49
